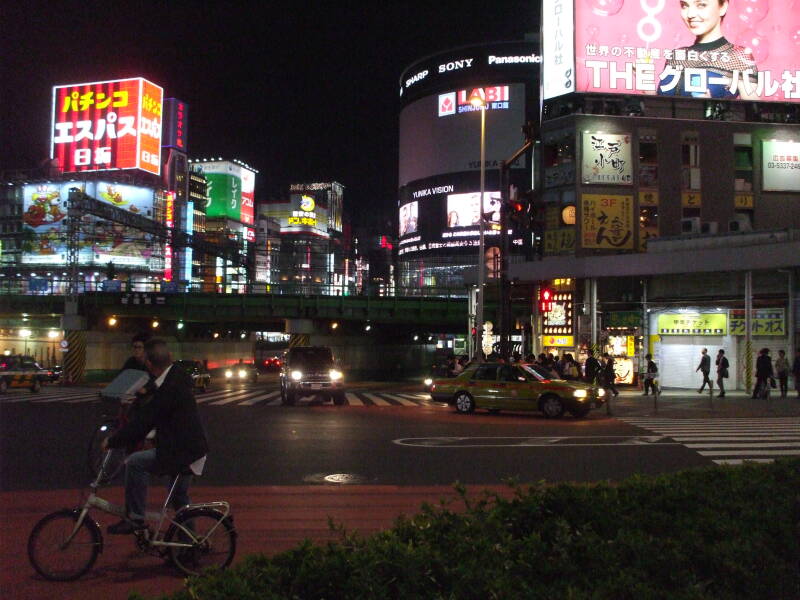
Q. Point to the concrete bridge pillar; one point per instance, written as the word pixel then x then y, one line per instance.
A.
pixel 74 327
pixel 299 331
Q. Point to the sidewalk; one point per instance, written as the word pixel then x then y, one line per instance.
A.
pixel 680 403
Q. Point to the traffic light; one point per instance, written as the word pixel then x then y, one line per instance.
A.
pixel 545 300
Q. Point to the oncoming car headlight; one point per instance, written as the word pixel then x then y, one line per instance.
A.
pixel 335 375
pixel 601 392
pixel 228 374
pixel 242 373
pixel 297 375
pixel 579 393
pixel 428 381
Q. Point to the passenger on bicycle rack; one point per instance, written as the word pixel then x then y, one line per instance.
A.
pixel 180 438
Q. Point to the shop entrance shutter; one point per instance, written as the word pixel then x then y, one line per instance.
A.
pixel 679 358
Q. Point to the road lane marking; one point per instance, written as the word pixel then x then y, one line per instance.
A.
pixel 521 442
pixel 267 399
pixel 353 399
pixel 375 400
pixel 234 396
pixel 401 400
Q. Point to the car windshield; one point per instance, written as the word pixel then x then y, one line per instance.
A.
pixel 312 356
pixel 539 372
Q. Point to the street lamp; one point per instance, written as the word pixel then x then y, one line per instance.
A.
pixel 25 334
pixel 479 102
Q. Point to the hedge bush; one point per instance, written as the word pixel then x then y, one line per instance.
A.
pixel 712 533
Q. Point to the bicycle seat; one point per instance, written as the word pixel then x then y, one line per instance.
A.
pixel 196 468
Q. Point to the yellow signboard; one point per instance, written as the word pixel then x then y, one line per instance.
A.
pixel 607 221
pixel 648 197
pixel 691 199
pixel 559 241
pixel 763 321
pixel 567 341
pixel 743 200
pixel 693 324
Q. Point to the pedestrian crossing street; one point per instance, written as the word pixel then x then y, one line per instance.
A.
pixel 227 397
pixel 730 440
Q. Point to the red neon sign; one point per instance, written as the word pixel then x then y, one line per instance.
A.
pixel 107 125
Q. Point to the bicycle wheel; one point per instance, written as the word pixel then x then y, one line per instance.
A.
pixel 94 455
pixel 214 542
pixel 56 561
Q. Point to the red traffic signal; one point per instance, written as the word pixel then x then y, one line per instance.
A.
pixel 545 300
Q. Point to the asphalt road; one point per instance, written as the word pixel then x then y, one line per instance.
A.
pixel 376 441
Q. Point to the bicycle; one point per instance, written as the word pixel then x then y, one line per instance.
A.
pixel 65 544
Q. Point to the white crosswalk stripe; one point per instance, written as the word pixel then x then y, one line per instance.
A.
pixel 730 441
pixel 226 397
pixel 262 398
pixel 353 399
pixel 376 400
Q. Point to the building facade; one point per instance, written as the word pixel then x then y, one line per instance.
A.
pixel 439 201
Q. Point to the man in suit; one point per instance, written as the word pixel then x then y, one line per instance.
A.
pixel 705 368
pixel 722 372
pixel 180 438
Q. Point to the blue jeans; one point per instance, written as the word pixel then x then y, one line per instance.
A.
pixel 137 476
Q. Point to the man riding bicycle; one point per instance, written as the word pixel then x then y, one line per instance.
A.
pixel 180 438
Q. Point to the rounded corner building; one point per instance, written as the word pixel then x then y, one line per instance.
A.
pixel 439 158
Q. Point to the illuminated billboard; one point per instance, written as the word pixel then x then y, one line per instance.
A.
pixel 107 125
pixel 44 215
pixel 463 209
pixel 409 213
pixel 231 189
pixel 738 49
pixel 440 134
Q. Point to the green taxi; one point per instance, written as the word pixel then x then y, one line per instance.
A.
pixel 524 387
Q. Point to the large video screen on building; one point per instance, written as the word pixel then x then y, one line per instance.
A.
pixel 725 49
pixel 441 133
pixel 107 125
pixel 99 242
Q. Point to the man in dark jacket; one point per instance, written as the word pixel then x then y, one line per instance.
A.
pixel 650 375
pixel 705 368
pixel 180 439
pixel 764 373
pixel 591 367
pixel 609 375
pixel 722 372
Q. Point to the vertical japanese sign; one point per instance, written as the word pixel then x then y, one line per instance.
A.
pixel 607 221
pixel 247 213
pixel 781 166
pixel 558 48
pixel 170 223
pixel 107 125
pixel 175 124
pixel 607 158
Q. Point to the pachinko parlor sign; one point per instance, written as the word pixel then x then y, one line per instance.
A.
pixel 724 49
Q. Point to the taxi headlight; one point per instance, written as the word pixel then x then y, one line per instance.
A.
pixel 228 374
pixel 579 393
pixel 335 375
pixel 297 375
pixel 601 392
pixel 428 381
pixel 242 373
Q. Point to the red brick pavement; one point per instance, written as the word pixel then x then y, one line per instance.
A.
pixel 269 519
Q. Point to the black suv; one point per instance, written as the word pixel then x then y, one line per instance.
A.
pixel 310 370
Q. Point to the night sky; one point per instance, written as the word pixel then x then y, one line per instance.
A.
pixel 301 91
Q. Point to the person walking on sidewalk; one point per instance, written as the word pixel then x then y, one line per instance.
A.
pixel 591 367
pixel 705 368
pixel 609 375
pixel 722 372
pixel 650 375
pixel 796 371
pixel 764 374
pixel 782 372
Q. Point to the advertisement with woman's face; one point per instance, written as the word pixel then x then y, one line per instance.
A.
pixel 726 49
pixel 463 210
pixel 408 218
